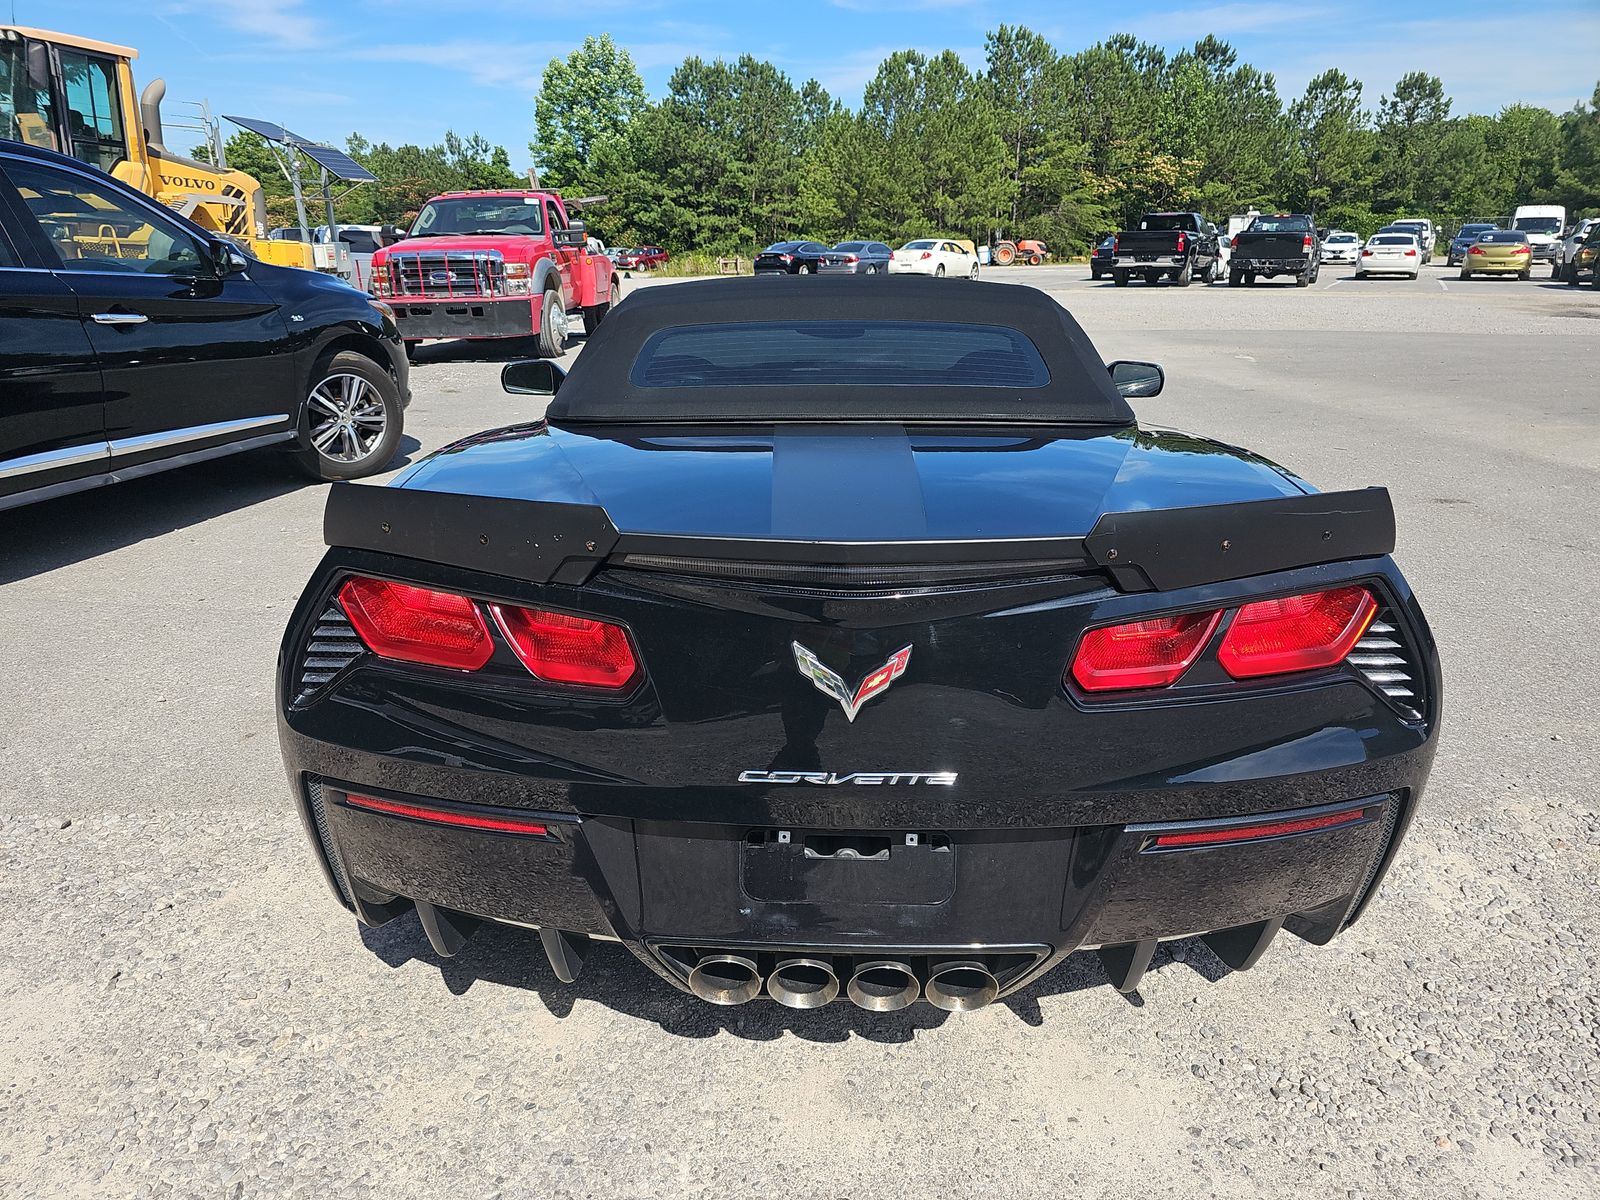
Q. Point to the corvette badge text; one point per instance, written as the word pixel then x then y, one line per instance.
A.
pixel 861 778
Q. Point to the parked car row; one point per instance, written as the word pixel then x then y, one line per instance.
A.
pixel 939 257
pixel 637 258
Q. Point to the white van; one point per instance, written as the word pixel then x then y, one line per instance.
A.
pixel 1543 224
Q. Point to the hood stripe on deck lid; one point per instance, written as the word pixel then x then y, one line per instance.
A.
pixel 857 486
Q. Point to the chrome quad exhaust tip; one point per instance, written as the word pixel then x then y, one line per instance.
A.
pixel 803 983
pixel 883 986
pixel 961 985
pixel 725 979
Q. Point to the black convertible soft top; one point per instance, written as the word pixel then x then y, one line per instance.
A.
pixel 846 348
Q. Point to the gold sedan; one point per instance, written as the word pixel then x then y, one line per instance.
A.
pixel 1499 252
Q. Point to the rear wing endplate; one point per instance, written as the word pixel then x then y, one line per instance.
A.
pixel 535 540
pixel 1169 548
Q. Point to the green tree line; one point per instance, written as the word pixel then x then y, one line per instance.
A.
pixel 1037 144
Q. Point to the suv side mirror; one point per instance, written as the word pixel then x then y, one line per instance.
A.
pixel 228 258
pixel 532 377
pixel 1136 379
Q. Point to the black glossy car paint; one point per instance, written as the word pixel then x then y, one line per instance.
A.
pixel 233 350
pixel 665 804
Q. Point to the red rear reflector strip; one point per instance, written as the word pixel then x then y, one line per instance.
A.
pixel 440 816
pixel 1250 833
pixel 417 624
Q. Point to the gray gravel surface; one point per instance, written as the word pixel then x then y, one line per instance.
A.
pixel 185 1012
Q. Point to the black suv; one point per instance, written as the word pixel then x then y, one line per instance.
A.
pixel 132 340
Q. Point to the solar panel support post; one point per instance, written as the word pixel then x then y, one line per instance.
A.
pixel 327 204
pixel 299 196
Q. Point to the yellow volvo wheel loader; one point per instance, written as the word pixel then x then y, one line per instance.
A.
pixel 76 96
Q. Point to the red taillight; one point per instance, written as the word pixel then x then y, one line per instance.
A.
pixel 1116 244
pixel 1250 833
pixel 1233 242
pixel 927 254
pixel 417 624
pixel 1523 250
pixel 1477 250
pixel 1411 253
pixel 852 258
pixel 1306 241
pixel 1366 254
pixel 1141 654
pixel 446 816
pixel 558 648
pixel 1296 633
pixel 1181 242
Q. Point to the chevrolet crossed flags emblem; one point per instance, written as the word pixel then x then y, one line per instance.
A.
pixel 829 683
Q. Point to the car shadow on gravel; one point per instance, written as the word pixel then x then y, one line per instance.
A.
pixel 37 538
pixel 509 957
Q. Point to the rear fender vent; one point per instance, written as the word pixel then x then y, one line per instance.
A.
pixel 1387 663
pixel 330 849
pixel 332 648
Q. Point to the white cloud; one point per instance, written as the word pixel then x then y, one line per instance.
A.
pixel 275 24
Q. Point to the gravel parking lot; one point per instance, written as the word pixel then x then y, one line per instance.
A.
pixel 185 1012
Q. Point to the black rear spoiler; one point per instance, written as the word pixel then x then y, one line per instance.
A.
pixel 1157 550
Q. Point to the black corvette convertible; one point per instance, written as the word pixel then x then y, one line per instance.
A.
pixel 823 643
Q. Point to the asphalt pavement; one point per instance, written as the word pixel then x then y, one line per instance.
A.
pixel 184 1011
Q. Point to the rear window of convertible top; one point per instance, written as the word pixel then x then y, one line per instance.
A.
pixel 868 353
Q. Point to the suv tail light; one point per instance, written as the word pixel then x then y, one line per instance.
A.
pixel 1141 654
pixel 417 624
pixel 1306 241
pixel 558 648
pixel 1296 633
pixel 1181 242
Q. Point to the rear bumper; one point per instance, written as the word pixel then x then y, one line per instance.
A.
pixel 669 890
pixel 475 317
pixel 656 834
pixel 1269 266
pixel 1492 267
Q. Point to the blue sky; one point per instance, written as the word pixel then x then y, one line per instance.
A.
pixel 407 70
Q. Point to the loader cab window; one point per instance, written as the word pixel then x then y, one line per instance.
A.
pixel 94 116
pixel 27 112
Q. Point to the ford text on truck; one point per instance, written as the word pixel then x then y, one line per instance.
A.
pixel 502 264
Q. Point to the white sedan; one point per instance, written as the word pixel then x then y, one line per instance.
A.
pixel 1390 254
pixel 939 257
pixel 1339 246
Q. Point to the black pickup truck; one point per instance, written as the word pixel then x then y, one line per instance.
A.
pixel 1280 244
pixel 1180 245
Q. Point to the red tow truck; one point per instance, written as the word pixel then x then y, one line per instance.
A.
pixel 500 264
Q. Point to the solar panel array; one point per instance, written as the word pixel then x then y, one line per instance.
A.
pixel 335 162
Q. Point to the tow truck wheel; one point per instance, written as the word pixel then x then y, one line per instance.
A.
pixel 552 325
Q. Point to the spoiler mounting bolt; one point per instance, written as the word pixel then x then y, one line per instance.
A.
pixel 588 545
pixel 384 527
pixel 483 539
pixel 1226 544
pixel 1110 554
